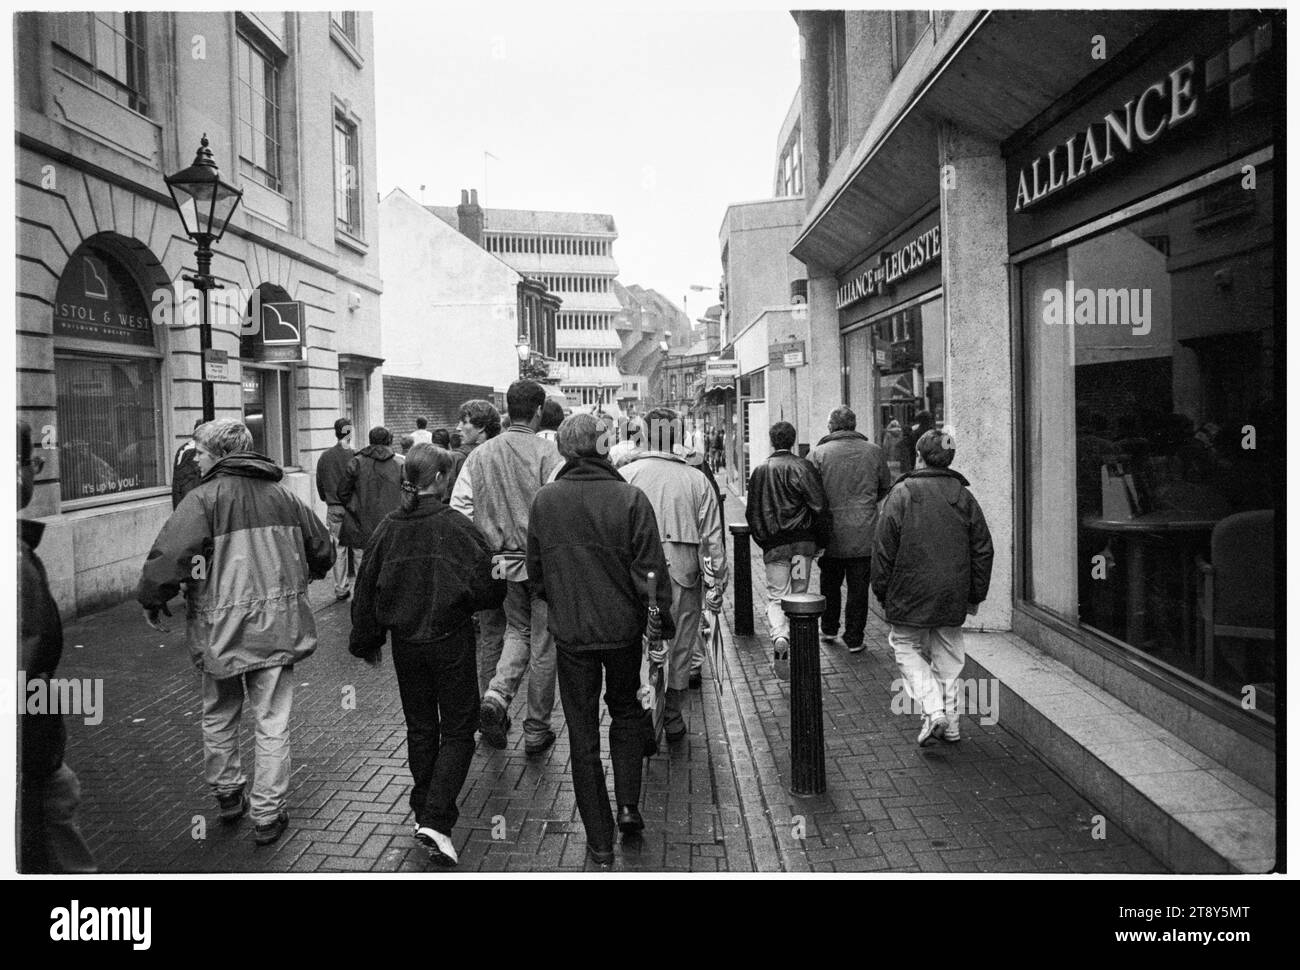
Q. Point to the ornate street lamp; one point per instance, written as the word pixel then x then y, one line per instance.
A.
pixel 524 350
pixel 205 204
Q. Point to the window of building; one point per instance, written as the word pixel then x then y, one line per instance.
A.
pixel 908 26
pixel 105 50
pixel 108 399
pixel 354 402
pixel 1151 446
pixel 347 181
pixel 268 412
pixel 838 95
pixel 346 23
pixel 259 112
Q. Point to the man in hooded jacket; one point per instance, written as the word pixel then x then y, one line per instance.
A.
pixel 245 547
pixel 370 489
pixel 930 568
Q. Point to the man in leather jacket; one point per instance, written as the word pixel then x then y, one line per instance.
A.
pixel 784 509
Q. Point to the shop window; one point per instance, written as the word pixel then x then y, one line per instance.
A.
pixel 259 112
pixel 1151 437
pixel 105 50
pixel 268 412
pixel 108 432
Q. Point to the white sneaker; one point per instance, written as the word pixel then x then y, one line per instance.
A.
pixel 932 726
pixel 441 851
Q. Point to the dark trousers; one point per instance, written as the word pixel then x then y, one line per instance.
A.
pixel 579 675
pixel 833 573
pixel 438 684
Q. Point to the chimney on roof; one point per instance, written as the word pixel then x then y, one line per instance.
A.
pixel 469 216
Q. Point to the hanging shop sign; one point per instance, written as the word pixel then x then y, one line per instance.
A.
pixel 282 335
pixel 721 371
pixel 1143 120
pixel 891 268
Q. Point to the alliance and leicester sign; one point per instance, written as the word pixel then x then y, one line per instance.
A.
pixel 1163 105
pixel 890 268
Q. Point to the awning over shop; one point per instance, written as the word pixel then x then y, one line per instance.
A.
pixel 715 394
pixel 991 75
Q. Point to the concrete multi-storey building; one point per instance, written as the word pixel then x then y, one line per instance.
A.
pixel 572 255
pixel 109 372
pixel 1055 233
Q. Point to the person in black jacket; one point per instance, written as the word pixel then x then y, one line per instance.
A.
pixel 930 568
pixel 426 572
pixel 185 469
pixel 592 540
pixel 331 466
pixel 785 508
pixel 369 489
pixel 48 837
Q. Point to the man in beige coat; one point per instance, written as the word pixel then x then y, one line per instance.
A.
pixel 690 526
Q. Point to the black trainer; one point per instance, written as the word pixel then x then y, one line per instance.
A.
pixel 233 806
pixel 271 831
pixel 629 820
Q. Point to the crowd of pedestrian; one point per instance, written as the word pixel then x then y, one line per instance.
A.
pixel 523 546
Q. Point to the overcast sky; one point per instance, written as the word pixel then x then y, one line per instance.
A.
pixel 660 118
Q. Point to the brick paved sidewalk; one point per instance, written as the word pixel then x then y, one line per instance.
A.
pixel 715 803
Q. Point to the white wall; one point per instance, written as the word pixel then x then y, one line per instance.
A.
pixel 449 308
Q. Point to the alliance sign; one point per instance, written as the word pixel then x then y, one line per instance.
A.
pixel 890 268
pixel 1163 105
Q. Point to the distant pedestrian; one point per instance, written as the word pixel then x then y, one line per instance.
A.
pixel 441 438
pixel 894 444
pixel 922 422
pixel 495 489
pixel 49 838
pixel 930 568
pixel 422 434
pixel 185 469
pixel 718 450
pixel 855 478
pixel 245 547
pixel 552 418
pixel 592 541
pixel 406 444
pixel 690 526
pixel 331 467
pixel 784 509
pixel 370 488
pixel 427 572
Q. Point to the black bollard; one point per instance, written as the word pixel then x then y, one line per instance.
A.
pixel 807 748
pixel 742 580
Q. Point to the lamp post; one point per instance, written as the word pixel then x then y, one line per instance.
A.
pixel 205 204
pixel 524 350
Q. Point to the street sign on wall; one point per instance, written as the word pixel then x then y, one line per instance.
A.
pixel 776 352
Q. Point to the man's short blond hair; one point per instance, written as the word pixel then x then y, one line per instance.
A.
pixel 222 437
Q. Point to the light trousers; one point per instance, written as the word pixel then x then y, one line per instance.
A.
pixel 932 682
pixel 269 692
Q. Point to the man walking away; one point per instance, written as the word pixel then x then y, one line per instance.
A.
pixel 370 489
pixel 930 567
pixel 592 542
pixel 690 525
pixel 422 434
pixel 330 469
pixel 185 469
pixel 855 477
pixel 246 548
pixel 49 839
pixel 784 508
pixel 496 488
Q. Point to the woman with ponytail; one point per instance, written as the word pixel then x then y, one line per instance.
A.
pixel 426 572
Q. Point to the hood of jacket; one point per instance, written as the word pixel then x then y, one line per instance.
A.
pixel 841 435
pixel 247 464
pixel 377 452
pixel 940 473
pixel 665 456
pixel 589 469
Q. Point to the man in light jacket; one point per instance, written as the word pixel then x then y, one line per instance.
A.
pixel 855 477
pixel 495 490
pixel 930 568
pixel 245 547
pixel 690 526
